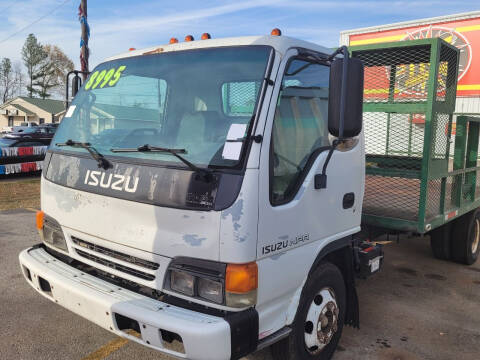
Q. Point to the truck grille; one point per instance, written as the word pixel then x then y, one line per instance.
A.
pixel 116 255
pixel 111 264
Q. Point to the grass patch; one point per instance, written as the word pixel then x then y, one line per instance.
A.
pixel 22 193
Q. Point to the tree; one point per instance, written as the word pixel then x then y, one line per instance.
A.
pixel 44 79
pixel 11 79
pixel 33 56
pixel 7 79
pixel 19 79
pixel 61 66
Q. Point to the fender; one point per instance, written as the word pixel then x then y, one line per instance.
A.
pixel 342 245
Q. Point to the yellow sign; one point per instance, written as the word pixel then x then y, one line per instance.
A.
pixel 104 78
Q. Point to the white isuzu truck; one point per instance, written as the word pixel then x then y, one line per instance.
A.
pixel 202 198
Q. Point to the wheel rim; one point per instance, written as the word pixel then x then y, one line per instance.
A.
pixel 321 323
pixel 476 239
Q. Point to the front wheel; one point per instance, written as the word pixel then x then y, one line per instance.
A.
pixel 318 324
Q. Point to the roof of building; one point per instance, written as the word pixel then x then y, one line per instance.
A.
pixel 48 105
pixel 403 24
pixel 21 108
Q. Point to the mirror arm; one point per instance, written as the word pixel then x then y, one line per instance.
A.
pixel 320 180
pixel 67 83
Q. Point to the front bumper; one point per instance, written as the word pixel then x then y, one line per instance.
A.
pixel 204 337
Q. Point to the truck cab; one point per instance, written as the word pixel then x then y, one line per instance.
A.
pixel 199 199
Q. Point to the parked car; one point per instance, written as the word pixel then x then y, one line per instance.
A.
pixel 42 134
pixel 7 129
pixel 49 125
pixel 19 128
pixel 28 124
pixel 6 142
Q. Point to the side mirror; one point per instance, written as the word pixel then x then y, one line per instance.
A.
pixel 349 101
pixel 76 83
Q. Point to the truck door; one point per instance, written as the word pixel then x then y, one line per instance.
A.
pixel 292 213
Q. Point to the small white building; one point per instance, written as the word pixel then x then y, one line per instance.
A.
pixel 22 109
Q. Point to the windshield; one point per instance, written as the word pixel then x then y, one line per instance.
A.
pixel 6 142
pixel 180 100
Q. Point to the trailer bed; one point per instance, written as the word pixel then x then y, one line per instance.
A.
pixel 421 167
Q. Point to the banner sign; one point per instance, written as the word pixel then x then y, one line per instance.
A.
pixel 25 167
pixel 464 34
pixel 22 151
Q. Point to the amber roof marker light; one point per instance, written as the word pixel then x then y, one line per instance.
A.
pixel 189 38
pixel 173 40
pixel 132 49
pixel 206 36
pixel 276 32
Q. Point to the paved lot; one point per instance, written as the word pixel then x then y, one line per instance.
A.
pixel 417 308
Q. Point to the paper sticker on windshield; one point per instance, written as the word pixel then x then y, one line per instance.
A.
pixel 104 78
pixel 70 111
pixel 236 132
pixel 232 150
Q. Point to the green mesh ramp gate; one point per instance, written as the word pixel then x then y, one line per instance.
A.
pixel 417 175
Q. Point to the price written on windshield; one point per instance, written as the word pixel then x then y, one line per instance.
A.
pixel 104 78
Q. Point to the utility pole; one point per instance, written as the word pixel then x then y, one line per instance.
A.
pixel 84 51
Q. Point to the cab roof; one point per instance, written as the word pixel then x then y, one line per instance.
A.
pixel 280 43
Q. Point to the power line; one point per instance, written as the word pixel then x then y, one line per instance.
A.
pixel 35 21
pixel 8 6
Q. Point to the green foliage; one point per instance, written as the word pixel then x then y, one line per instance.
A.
pixel 33 56
pixel 47 66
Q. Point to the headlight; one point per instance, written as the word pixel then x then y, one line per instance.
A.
pixel 182 282
pixel 50 231
pixel 210 290
pixel 233 285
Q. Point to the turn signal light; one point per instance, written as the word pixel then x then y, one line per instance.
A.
pixel 276 32
pixel 189 38
pixel 173 40
pixel 40 219
pixel 206 36
pixel 241 278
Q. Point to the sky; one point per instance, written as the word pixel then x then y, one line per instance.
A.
pixel 117 25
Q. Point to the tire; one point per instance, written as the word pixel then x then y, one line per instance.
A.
pixel 326 280
pixel 440 241
pixel 465 244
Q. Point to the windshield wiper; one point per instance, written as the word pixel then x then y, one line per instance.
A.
pixel 101 161
pixel 175 152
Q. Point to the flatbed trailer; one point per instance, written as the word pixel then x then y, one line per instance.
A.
pixel 421 172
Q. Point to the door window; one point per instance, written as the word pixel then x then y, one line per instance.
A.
pixel 300 126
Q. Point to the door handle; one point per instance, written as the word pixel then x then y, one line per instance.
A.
pixel 348 200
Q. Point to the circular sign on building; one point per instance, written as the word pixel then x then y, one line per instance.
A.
pixel 452 37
